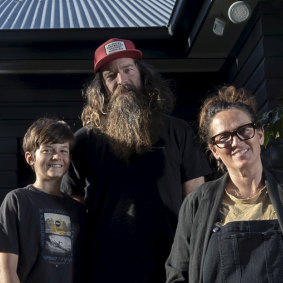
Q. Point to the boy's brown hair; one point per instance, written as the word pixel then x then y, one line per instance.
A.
pixel 47 130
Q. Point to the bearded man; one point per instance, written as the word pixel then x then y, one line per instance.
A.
pixel 133 164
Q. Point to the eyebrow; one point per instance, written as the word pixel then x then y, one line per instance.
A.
pixel 50 145
pixel 122 67
pixel 65 146
pixel 234 129
pixel 128 65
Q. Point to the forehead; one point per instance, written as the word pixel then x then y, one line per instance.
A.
pixel 55 145
pixel 228 120
pixel 118 64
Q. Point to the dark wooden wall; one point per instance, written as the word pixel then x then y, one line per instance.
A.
pixel 257 66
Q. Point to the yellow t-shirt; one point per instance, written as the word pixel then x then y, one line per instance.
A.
pixel 258 207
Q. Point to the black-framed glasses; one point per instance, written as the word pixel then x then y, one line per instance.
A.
pixel 225 139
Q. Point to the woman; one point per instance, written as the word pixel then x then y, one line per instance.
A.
pixel 230 229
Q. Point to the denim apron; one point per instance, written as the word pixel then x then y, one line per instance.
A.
pixel 245 252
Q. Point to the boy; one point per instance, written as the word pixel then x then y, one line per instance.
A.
pixel 41 228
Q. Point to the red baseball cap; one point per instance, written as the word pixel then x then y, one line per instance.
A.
pixel 113 49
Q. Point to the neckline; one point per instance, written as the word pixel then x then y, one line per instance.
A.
pixel 249 198
pixel 34 189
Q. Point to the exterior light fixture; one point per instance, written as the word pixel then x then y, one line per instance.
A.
pixel 239 12
pixel 218 26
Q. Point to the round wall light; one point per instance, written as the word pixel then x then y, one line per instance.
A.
pixel 239 12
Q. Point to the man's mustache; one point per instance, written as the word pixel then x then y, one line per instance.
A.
pixel 124 88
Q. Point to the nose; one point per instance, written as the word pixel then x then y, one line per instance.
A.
pixel 121 78
pixel 56 155
pixel 235 140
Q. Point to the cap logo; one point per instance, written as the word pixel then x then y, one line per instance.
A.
pixel 114 47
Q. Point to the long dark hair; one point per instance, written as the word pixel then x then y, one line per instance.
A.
pixel 161 96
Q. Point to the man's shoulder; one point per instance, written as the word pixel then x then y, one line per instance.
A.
pixel 82 132
pixel 175 124
pixel 176 127
pixel 88 140
pixel 174 120
pixel 74 203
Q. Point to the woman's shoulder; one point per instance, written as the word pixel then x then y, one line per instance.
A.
pixel 208 189
pixel 202 199
pixel 274 176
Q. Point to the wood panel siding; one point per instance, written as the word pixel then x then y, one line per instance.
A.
pixel 258 64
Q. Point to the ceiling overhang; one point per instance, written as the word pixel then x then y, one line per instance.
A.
pixel 186 44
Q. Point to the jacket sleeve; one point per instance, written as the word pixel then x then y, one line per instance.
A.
pixel 177 264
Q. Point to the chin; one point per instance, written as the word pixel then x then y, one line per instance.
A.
pixel 56 176
pixel 247 164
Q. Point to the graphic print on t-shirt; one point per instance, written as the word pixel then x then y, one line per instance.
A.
pixel 56 237
pixel 58 232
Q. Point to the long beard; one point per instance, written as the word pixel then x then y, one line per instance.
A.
pixel 129 124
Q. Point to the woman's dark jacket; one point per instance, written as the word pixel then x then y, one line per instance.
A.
pixel 198 215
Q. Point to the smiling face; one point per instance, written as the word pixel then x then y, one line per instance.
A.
pixel 50 161
pixel 240 155
pixel 122 71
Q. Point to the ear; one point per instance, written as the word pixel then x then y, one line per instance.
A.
pixel 29 158
pixel 214 151
pixel 261 135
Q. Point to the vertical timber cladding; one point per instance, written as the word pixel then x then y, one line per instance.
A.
pixel 258 65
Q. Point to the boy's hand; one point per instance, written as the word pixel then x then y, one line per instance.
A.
pixel 78 198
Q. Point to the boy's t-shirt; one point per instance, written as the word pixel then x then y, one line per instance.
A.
pixel 46 232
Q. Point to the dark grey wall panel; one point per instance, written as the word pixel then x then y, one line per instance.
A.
pixel 272 21
pixel 256 78
pixel 8 162
pixel 8 145
pixel 33 111
pixel 274 89
pixel 37 95
pixel 250 66
pixel 258 64
pixel 260 95
pixel 8 180
pixel 245 52
pixel 273 46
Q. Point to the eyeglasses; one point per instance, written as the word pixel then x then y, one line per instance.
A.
pixel 225 139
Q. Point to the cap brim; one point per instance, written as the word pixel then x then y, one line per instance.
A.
pixel 134 53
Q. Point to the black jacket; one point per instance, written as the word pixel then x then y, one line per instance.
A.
pixel 198 214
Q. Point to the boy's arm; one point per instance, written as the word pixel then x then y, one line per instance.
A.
pixel 8 268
